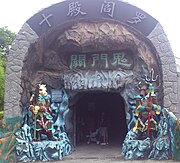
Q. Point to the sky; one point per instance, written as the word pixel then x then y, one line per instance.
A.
pixel 14 13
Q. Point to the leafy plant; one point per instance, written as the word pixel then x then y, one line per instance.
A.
pixel 6 39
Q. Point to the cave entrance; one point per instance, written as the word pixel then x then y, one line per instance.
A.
pixel 88 110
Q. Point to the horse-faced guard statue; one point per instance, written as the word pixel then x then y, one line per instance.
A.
pixel 147 110
pixel 151 135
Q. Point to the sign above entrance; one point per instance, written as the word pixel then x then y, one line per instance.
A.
pixel 108 60
pixel 76 10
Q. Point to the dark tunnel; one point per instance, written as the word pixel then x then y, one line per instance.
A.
pixel 88 112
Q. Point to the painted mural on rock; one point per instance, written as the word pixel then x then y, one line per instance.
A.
pixel 8 127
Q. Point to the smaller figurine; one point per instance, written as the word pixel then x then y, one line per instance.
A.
pixel 41 113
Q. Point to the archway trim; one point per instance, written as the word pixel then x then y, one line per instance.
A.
pixel 72 10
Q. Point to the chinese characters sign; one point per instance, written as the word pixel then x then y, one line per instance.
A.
pixel 75 10
pixel 110 60
pixel 137 19
pixel 108 8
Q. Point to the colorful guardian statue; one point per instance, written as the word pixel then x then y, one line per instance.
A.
pixel 151 127
pixel 43 135
pixel 41 113
pixel 147 112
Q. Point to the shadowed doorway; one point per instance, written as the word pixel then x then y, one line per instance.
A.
pixel 88 112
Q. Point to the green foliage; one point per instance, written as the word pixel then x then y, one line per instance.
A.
pixel 2 78
pixel 6 39
pixel 1 115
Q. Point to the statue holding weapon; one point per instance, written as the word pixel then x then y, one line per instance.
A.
pixel 147 110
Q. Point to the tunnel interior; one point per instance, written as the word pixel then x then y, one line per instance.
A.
pixel 89 108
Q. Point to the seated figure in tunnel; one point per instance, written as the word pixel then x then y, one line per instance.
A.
pixel 41 113
pixel 103 129
pixel 147 112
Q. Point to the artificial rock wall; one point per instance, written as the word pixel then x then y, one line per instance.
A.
pixel 13 87
pixel 169 69
pixel 26 36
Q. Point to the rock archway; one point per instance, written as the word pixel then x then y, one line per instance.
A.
pixel 87 49
pixel 49 61
pixel 148 44
pixel 116 60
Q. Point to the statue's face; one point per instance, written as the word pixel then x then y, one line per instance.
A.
pixel 42 90
pixel 143 91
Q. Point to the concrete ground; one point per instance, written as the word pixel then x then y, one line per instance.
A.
pixel 110 153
